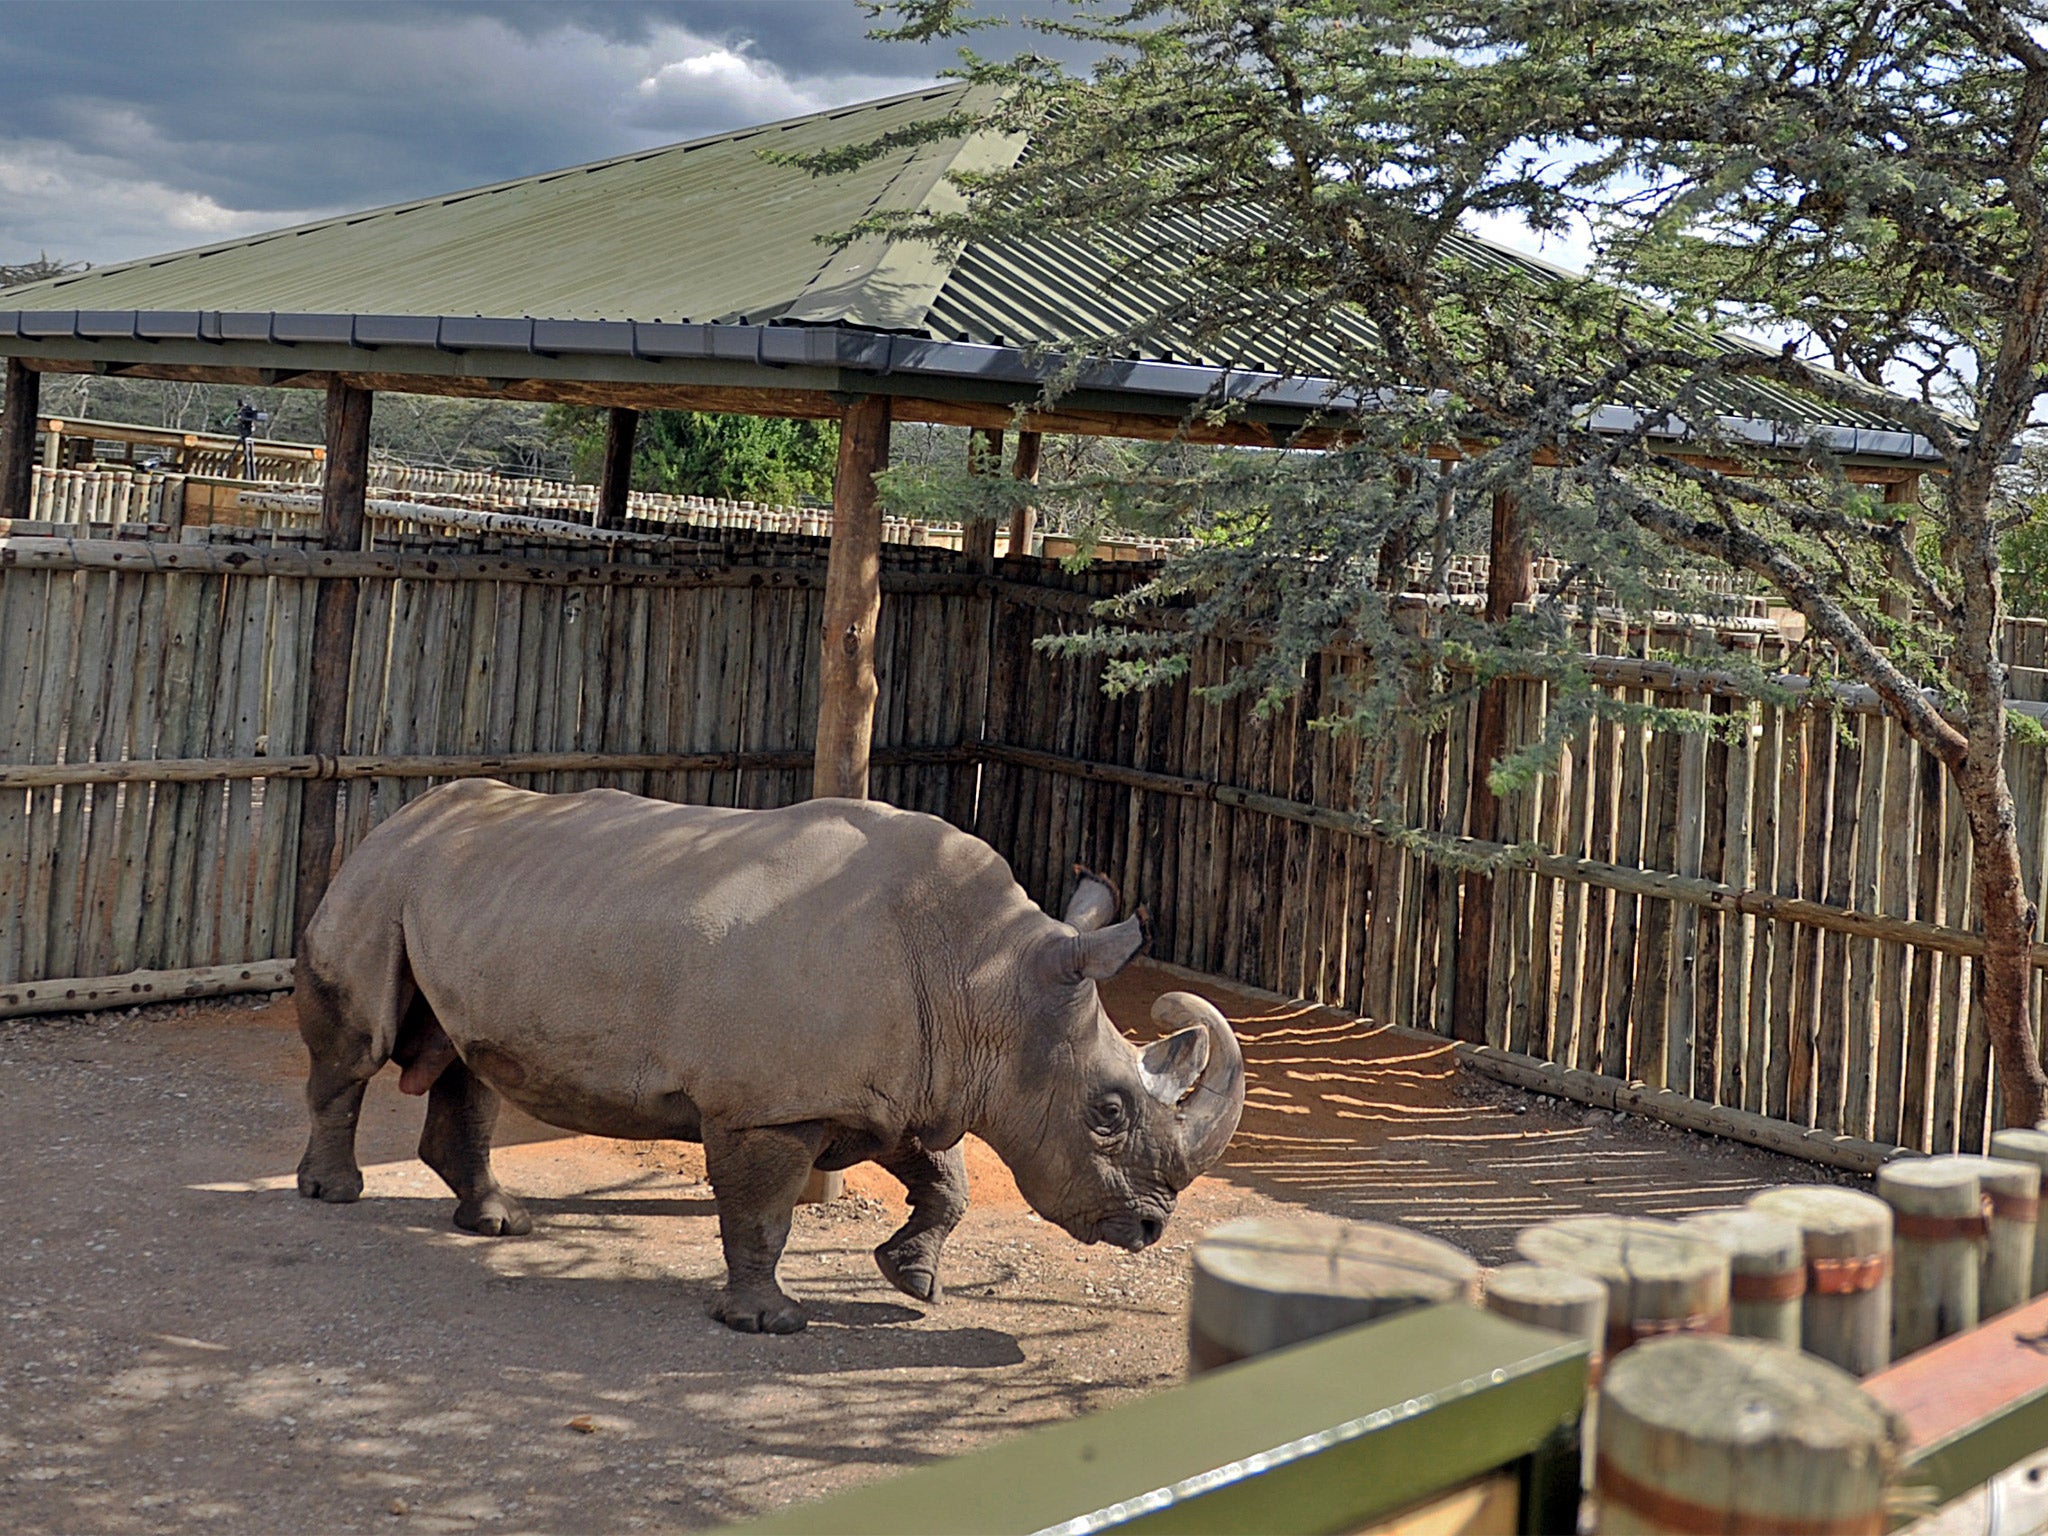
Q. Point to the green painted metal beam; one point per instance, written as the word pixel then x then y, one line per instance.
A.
pixel 1326 1436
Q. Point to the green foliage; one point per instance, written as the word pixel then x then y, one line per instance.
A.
pixel 1864 182
pixel 692 453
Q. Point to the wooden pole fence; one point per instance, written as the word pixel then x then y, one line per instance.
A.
pixel 60 554
pixel 1456 852
pixel 316 766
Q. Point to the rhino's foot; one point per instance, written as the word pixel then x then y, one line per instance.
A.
pixel 757 1312
pixel 912 1266
pixel 495 1214
pixel 336 1186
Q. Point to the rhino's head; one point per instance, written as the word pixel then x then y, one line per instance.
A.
pixel 1102 1136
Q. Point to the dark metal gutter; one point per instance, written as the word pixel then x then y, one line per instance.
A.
pixel 880 354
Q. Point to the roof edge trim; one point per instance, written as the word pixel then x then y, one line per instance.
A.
pixel 879 354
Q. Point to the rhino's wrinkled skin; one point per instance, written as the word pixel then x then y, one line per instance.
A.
pixel 822 985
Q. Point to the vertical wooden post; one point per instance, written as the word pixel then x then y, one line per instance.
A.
pixel 846 654
pixel 978 537
pixel 18 439
pixel 1700 1434
pixel 334 633
pixel 853 603
pixel 1847 1313
pixel 1938 1226
pixel 1902 493
pixel 615 481
pixel 1510 579
pixel 1264 1282
pixel 1024 520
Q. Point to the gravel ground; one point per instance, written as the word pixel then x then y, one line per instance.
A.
pixel 186 1345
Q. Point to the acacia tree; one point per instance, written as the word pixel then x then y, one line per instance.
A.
pixel 1864 180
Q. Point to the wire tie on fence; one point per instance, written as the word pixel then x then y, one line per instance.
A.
pixel 1788 1285
pixel 2014 1207
pixel 1944 1229
pixel 1849 1277
pixel 1621 1335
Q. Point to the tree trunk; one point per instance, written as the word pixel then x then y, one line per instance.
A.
pixel 2007 968
pixel 1510 580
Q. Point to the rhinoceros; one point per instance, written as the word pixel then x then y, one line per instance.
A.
pixel 826 984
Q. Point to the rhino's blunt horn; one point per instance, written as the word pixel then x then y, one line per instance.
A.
pixel 1210 1114
pixel 1093 903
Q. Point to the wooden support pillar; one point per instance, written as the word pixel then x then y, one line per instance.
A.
pixel 846 655
pixel 615 481
pixel 1024 520
pixel 853 603
pixel 1510 579
pixel 1902 493
pixel 978 536
pixel 18 439
pixel 334 631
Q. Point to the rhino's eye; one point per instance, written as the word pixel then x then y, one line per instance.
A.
pixel 1108 1115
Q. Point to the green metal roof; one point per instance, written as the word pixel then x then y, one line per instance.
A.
pixel 696 263
pixel 711 230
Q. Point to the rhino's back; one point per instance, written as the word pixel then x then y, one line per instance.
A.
pixel 769 965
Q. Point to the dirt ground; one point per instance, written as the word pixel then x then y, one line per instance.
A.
pixel 186 1345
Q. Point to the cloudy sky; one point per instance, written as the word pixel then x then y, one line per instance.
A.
pixel 132 128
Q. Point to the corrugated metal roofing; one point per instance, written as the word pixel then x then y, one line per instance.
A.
pixel 712 231
pixel 708 230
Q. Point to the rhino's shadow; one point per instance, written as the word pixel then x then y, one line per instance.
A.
pixel 542 1208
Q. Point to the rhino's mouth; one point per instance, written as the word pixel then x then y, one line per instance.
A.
pixel 1132 1231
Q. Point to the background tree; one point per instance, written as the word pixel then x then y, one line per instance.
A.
pixel 1863 180
pixel 694 453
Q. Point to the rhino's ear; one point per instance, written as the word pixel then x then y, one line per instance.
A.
pixel 1070 959
pixel 1093 903
pixel 1171 1068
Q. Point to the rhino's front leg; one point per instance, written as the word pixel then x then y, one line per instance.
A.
pixel 937 1186
pixel 756 1176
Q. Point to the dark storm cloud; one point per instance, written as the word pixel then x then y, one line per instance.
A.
pixel 132 128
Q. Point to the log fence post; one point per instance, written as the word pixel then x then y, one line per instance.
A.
pixel 1938 1231
pixel 342 497
pixel 2028 1145
pixel 1846 1316
pixel 1262 1283
pixel 615 482
pixel 1767 1271
pixel 2012 1208
pixel 1703 1434
pixel 1660 1278
pixel 18 439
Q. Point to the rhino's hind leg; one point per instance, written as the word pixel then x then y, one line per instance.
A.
pixel 937 1186
pixel 344 1059
pixel 462 1112
pixel 756 1176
